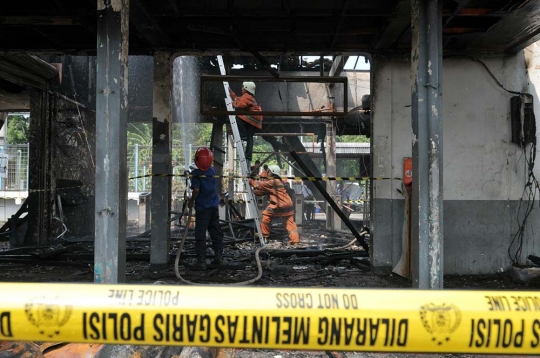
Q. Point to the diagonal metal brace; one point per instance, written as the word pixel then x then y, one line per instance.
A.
pixel 332 203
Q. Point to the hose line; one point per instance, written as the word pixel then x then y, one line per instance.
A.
pixel 183 280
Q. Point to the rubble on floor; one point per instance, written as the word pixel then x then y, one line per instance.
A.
pixel 322 259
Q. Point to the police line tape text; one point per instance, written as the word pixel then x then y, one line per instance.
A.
pixel 236 329
pixel 5 325
pixel 513 303
pixel 148 297
pixel 320 301
pixel 499 333
pixel 278 330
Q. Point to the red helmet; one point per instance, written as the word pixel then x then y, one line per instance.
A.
pixel 204 158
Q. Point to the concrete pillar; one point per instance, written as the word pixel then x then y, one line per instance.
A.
pixel 111 140
pixel 217 148
pixel 40 170
pixel 427 200
pixel 333 222
pixel 299 211
pixel 161 164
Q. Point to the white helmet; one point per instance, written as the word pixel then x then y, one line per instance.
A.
pixel 250 87
pixel 275 169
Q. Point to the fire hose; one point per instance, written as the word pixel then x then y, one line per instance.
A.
pixel 179 252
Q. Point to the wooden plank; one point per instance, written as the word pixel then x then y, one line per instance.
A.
pixel 37 20
pixel 14 102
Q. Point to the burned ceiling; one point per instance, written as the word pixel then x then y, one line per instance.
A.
pixel 268 27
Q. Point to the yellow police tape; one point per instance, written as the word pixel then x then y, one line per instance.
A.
pixel 296 178
pixel 284 318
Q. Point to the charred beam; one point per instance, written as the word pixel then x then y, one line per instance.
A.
pixel 338 65
pixel 395 27
pixel 147 26
pixel 161 161
pixel 53 41
pixel 37 20
pixel 339 24
pixel 26 71
pixel 330 258
pixel 175 8
pixel 263 61
pixel 332 203
pixel 459 8
pixel 88 26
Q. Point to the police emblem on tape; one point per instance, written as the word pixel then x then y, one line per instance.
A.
pixel 440 321
pixel 47 317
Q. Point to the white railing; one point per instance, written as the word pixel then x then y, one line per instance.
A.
pixel 17 167
pixel 139 162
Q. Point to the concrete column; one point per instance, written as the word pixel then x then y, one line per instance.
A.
pixel 427 200
pixel 111 140
pixel 161 163
pixel 40 170
pixel 333 222
pixel 299 211
pixel 217 148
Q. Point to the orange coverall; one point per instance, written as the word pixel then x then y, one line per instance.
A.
pixel 247 102
pixel 280 205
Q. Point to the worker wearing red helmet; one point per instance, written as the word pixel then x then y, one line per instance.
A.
pixel 248 122
pixel 204 195
pixel 280 205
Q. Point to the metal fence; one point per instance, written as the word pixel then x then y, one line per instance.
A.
pixel 139 161
pixel 16 167
pixel 139 164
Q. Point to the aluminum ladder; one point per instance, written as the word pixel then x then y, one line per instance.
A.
pixel 252 208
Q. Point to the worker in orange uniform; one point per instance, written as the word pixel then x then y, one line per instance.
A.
pixel 248 122
pixel 280 205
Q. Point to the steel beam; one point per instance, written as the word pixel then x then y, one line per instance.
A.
pixel 37 20
pixel 330 201
pixel 427 214
pixel 339 25
pixel 337 66
pixel 161 163
pixel 147 27
pixel 394 28
pixel 285 79
pixel 111 140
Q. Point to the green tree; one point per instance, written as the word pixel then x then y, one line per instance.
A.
pixel 352 139
pixel 261 150
pixel 139 133
pixel 18 127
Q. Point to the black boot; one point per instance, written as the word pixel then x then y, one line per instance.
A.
pixel 200 265
pixel 218 258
